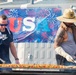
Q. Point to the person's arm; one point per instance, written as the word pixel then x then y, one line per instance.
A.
pixel 59 39
pixel 14 52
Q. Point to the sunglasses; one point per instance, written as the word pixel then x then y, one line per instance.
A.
pixel 3 24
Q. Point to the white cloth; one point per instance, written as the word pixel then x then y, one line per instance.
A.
pixel 61 52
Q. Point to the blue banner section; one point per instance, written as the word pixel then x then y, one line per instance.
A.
pixel 33 25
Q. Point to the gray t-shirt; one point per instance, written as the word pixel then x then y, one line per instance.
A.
pixel 69 46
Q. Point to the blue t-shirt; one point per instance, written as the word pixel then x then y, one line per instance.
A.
pixel 5 39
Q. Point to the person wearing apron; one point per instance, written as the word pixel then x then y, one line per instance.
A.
pixel 6 42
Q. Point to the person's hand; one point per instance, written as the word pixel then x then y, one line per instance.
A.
pixel 17 61
pixel 69 58
pixel 74 57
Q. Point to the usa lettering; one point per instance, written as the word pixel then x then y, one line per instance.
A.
pixel 26 24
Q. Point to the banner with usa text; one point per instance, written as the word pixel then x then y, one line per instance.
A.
pixel 33 24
